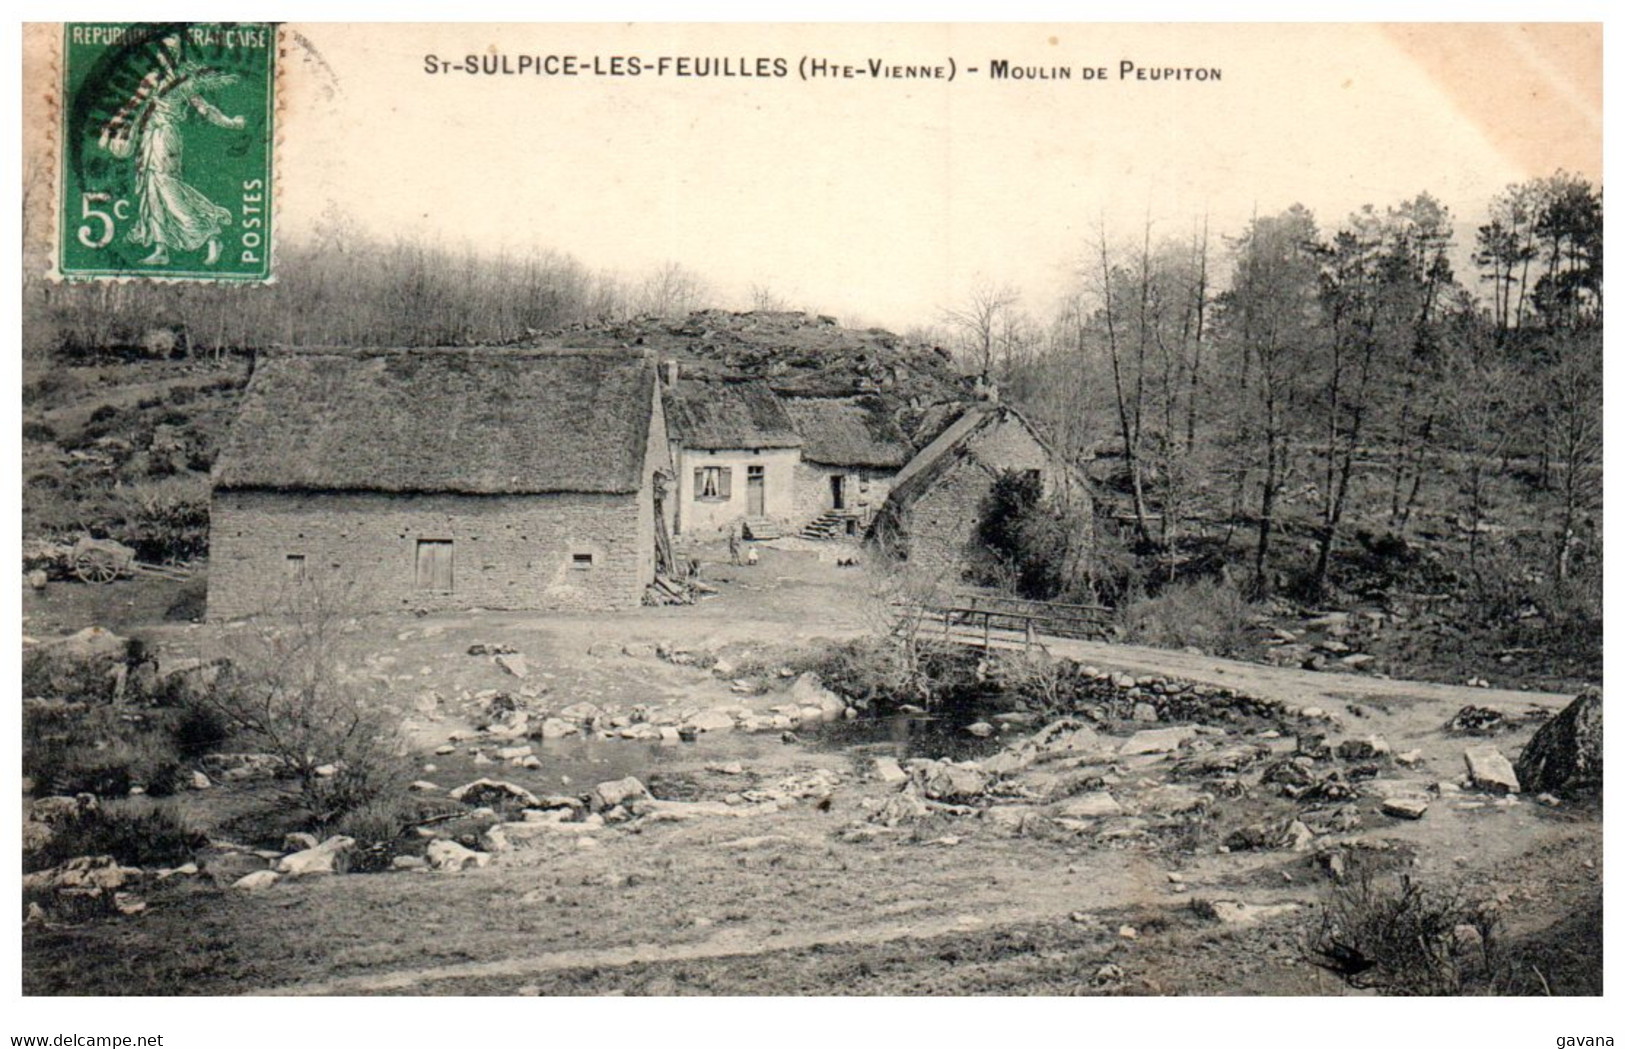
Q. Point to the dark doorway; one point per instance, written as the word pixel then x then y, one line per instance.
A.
pixel 837 491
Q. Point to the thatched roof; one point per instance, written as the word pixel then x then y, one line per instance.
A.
pixel 848 431
pixel 728 415
pixel 470 420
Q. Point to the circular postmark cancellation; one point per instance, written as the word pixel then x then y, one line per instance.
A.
pixel 167 151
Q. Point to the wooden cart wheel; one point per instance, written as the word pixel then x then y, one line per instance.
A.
pixel 96 566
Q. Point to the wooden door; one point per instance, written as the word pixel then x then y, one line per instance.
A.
pixel 434 564
pixel 755 491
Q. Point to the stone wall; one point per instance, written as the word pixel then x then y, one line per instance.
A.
pixel 941 523
pixel 508 552
pixel 865 491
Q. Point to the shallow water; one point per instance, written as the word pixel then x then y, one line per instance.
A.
pixel 906 736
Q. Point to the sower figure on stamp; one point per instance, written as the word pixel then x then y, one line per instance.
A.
pixel 170 213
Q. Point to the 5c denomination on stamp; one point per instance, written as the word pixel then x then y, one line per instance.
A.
pixel 167 151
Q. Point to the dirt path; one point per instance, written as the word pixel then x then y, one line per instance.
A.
pixel 1297 687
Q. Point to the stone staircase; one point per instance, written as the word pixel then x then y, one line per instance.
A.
pixel 762 528
pixel 831 524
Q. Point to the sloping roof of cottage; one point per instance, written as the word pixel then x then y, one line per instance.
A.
pixel 848 431
pixel 477 420
pixel 951 446
pixel 728 415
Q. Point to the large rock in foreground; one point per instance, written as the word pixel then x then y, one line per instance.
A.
pixel 1565 757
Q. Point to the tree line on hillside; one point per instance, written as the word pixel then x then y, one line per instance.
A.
pixel 340 287
pixel 1272 386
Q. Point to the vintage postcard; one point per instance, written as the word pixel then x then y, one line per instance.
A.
pixel 907 510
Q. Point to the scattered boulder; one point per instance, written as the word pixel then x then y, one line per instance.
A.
pixel 1367 749
pixel 1157 740
pixel 1477 721
pixel 489 791
pixel 615 792
pixel 980 729
pixel 296 841
pixel 710 721
pixel 449 856
pixel 514 664
pixel 330 857
pixel 256 881
pixel 82 876
pixel 1093 805
pixel 809 691
pixel 1233 912
pixel 889 772
pixel 1565 756
pixel 557 728
pixel 945 781
pixel 1405 808
pixel 1490 770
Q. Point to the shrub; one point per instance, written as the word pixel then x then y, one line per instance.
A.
pixel 101 750
pixel 135 832
pixel 52 673
pixel 1394 935
pixel 285 693
pixel 883 673
pixel 379 829
pixel 1031 543
pixel 34 430
pixel 1205 614
pixel 198 729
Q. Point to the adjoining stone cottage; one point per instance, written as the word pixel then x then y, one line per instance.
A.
pixel 931 515
pixel 851 451
pixel 736 454
pixel 503 478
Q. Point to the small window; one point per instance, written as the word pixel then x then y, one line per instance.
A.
pixel 581 562
pixel 1034 476
pixel 293 568
pixel 434 564
pixel 713 482
pixel 755 471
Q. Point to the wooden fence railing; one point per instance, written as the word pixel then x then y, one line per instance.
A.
pixel 994 620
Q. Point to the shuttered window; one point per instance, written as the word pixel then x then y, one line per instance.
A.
pixel 713 482
pixel 434 564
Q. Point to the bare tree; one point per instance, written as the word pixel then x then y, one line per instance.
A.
pixel 979 322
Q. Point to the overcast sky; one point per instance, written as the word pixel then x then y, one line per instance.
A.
pixel 883 201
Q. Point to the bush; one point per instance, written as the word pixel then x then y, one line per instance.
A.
pixel 1205 614
pixel 883 673
pixel 1393 935
pixel 1031 543
pixel 136 833
pixel 50 673
pixel 285 693
pixel 72 748
pixel 379 829
pixel 34 430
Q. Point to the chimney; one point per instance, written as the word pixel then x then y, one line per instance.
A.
pixel 668 371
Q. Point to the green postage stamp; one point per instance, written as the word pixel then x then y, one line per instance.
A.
pixel 167 148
